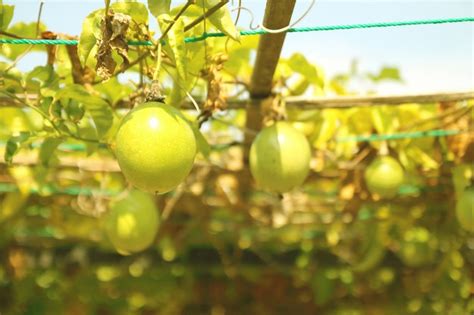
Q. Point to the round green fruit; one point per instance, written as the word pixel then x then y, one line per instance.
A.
pixel 279 157
pixel 155 147
pixel 384 176
pixel 131 223
pixel 465 210
pixel 417 248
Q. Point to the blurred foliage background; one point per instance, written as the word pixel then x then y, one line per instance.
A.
pixel 224 246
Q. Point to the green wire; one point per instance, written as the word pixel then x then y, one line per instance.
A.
pixel 401 135
pixel 24 41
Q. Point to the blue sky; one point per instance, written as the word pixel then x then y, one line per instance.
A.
pixel 431 58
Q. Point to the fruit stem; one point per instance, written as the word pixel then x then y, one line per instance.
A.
pixel 383 148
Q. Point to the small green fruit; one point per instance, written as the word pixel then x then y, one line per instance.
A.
pixel 384 176
pixel 465 210
pixel 132 223
pixel 279 157
pixel 155 147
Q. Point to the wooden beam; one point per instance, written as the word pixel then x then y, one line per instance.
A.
pixel 277 15
pixel 325 102
pixel 376 100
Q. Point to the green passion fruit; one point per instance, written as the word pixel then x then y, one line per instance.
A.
pixel 132 222
pixel 465 209
pixel 155 147
pixel 384 176
pixel 279 157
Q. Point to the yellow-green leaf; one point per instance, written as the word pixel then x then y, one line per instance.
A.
pixel 6 15
pixel 221 19
pixel 158 7
pixel 88 38
pixel 136 10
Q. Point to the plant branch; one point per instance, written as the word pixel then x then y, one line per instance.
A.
pixel 205 15
pixel 446 114
pixel 10 35
pixel 107 4
pixel 38 20
pixel 183 9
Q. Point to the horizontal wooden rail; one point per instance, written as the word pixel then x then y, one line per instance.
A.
pixel 325 102
pixel 365 101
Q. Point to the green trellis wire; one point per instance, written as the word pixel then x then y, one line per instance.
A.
pixel 25 41
pixel 401 135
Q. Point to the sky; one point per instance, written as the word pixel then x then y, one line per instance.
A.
pixel 432 58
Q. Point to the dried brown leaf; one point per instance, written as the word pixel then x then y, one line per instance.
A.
pixel 114 30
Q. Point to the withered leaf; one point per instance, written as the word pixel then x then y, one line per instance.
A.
pixel 114 28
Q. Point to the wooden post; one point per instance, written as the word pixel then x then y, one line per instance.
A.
pixel 277 15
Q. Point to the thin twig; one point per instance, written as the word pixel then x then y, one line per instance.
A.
pixel 205 15
pixel 183 9
pixel 172 202
pixel 446 114
pixel 456 117
pixel 107 4
pixel 29 48
pixel 10 35
pixel 38 21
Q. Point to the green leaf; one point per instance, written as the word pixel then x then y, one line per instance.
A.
pixel 27 30
pixel 178 50
pixel 99 109
pixel 136 10
pixel 6 15
pixel 158 7
pixel 113 90
pixel 88 38
pixel 47 149
pixel 221 19
pixel 88 131
pixel 299 87
pixel 45 75
pixel 240 56
pixel 386 73
pixel 300 64
pixel 176 43
pixel 14 144
pixel 378 120
pixel 422 158
pixel 384 119
pixel 328 128
pixel 202 144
